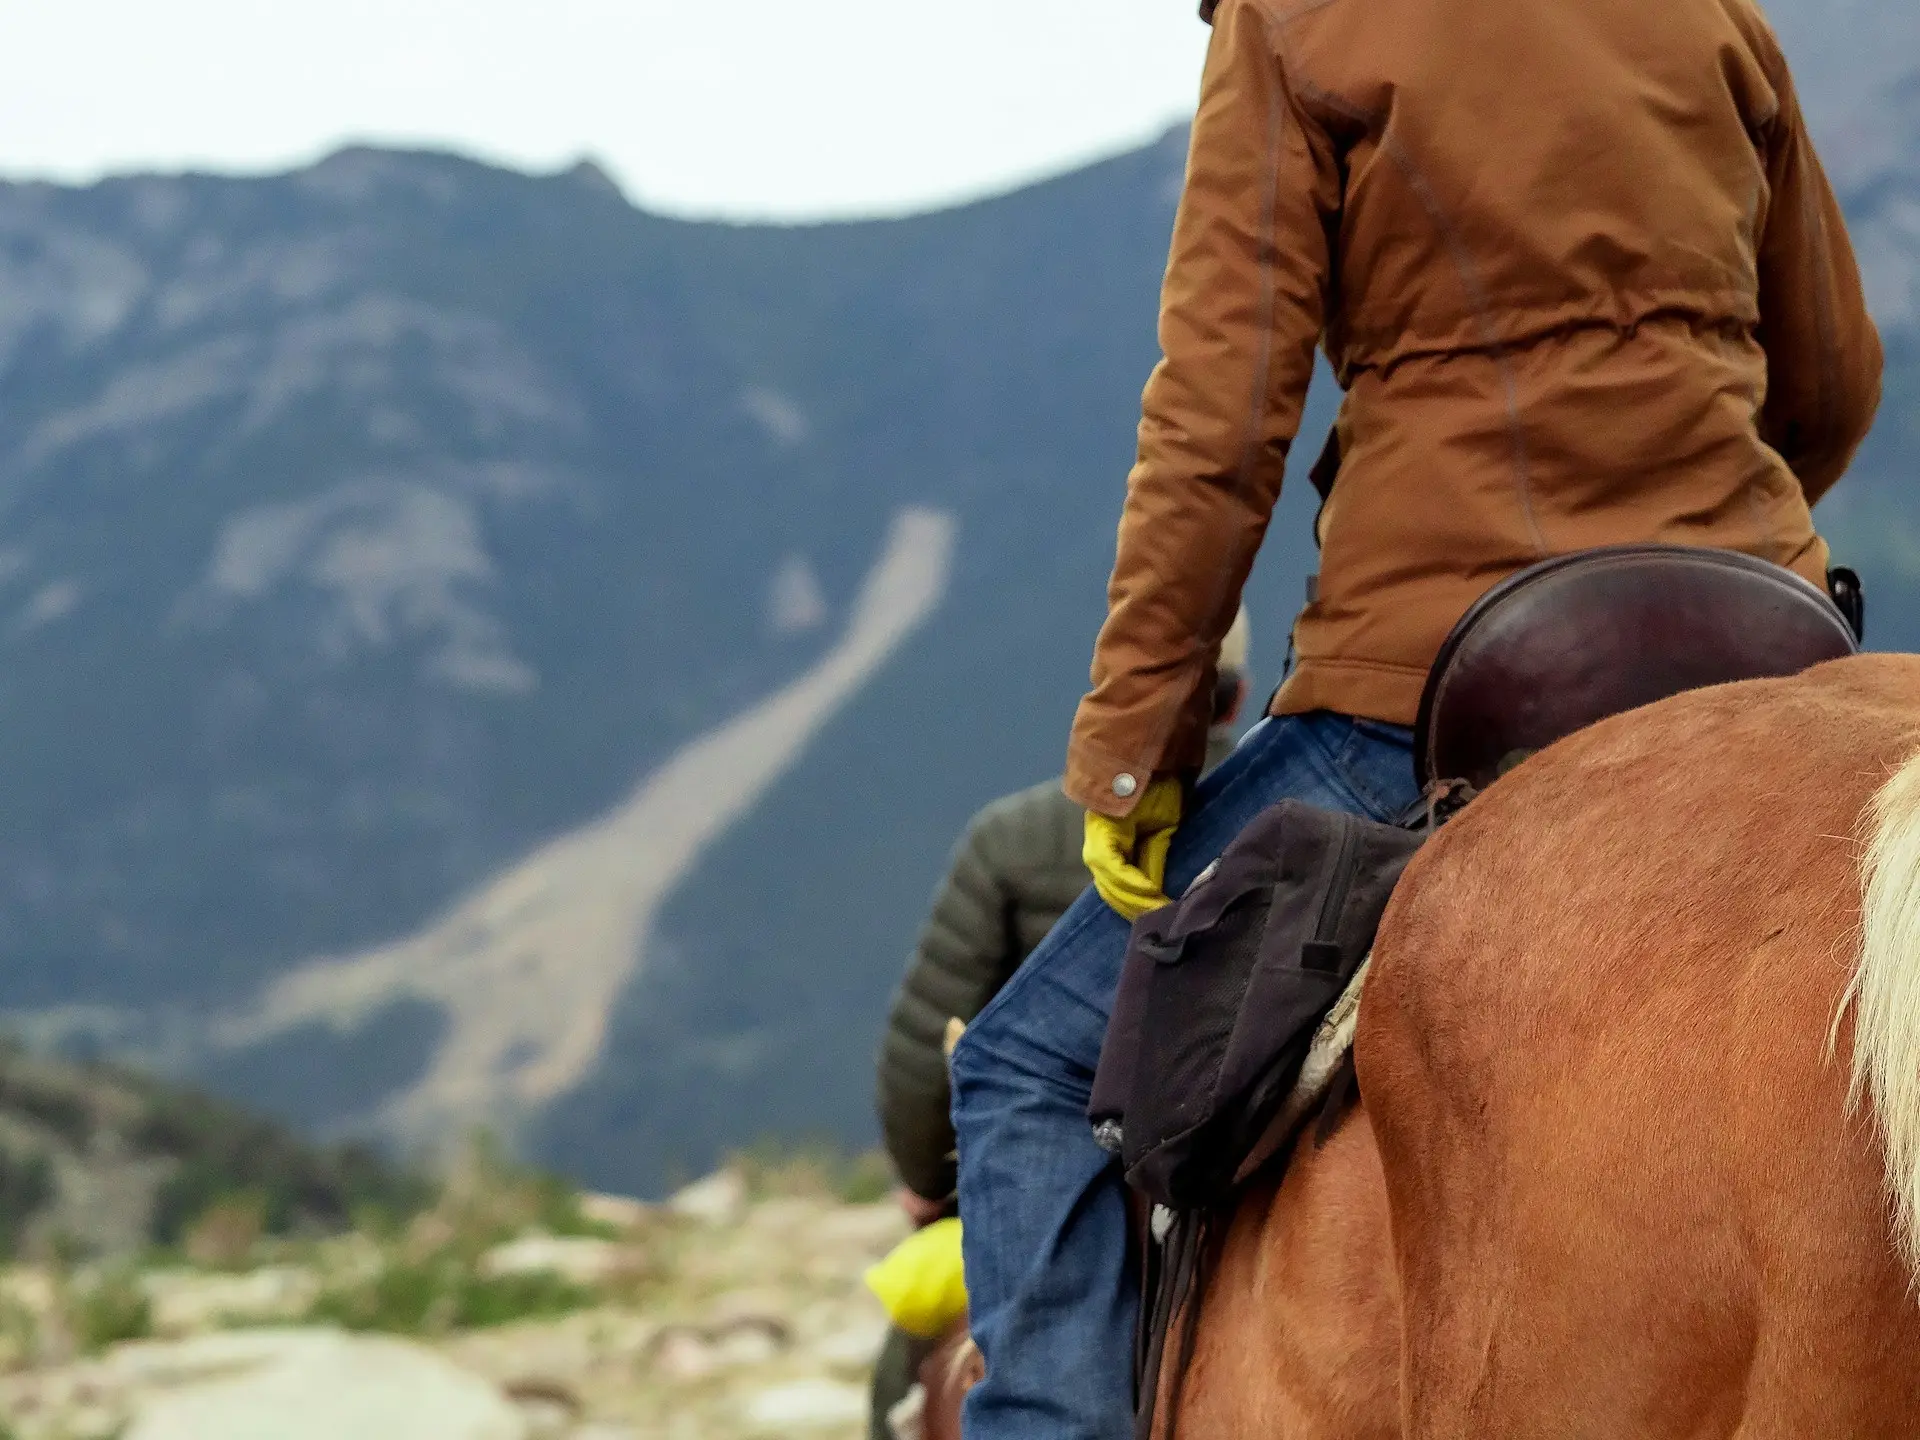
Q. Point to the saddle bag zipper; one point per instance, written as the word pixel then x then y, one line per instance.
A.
pixel 1322 952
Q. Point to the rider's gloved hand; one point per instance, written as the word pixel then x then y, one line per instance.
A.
pixel 1128 857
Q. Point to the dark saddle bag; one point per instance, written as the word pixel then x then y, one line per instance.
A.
pixel 1221 992
pixel 1220 996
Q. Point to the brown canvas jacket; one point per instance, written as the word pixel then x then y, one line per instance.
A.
pixel 1582 277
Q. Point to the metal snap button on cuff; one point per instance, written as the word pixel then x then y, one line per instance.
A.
pixel 1124 785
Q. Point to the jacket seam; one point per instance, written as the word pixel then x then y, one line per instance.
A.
pixel 1385 667
pixel 1413 347
pixel 1813 220
pixel 1259 403
pixel 1813 217
pixel 1476 292
pixel 1169 714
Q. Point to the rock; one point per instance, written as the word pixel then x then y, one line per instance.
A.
pixel 807 1405
pixel 335 1387
pixel 720 1199
pixel 620 1211
pixel 790 1219
pixel 748 1344
pixel 91 1418
pixel 567 1348
pixel 31 1288
pixel 163 1363
pixel 187 1300
pixel 907 1420
pixel 684 1354
pixel 226 1233
pixel 549 1407
pixel 872 1229
pixel 754 1305
pixel 851 1349
pixel 579 1259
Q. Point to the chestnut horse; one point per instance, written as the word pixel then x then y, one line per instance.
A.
pixel 1640 1154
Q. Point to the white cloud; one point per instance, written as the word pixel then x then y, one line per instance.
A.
pixel 760 108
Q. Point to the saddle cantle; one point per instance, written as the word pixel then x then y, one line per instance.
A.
pixel 1577 638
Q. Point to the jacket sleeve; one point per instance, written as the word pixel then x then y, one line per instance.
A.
pixel 1823 352
pixel 964 954
pixel 1241 311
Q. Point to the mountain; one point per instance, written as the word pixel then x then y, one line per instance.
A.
pixel 369 532
pixel 471 651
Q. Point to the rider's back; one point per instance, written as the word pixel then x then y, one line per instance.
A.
pixel 1575 249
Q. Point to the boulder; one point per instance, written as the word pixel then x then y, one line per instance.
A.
pixel 806 1405
pixel 189 1300
pixel 334 1387
pixel 720 1199
pixel 622 1212
pixel 578 1259
pixel 867 1229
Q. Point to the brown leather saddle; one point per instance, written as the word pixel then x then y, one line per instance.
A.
pixel 1574 639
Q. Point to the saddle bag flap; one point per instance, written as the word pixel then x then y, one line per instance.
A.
pixel 1159 940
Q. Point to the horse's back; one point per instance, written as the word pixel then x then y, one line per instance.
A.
pixel 1629 1198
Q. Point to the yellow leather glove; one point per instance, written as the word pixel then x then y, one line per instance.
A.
pixel 1128 857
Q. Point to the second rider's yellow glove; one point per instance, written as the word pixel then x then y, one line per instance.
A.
pixel 1128 857
pixel 923 1283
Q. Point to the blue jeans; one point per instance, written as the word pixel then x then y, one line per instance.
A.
pixel 1050 1287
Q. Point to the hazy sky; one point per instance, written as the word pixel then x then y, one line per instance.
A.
pixel 752 108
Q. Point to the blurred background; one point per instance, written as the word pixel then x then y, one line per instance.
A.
pixel 526 530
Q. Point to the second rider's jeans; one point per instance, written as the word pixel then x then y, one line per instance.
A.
pixel 1050 1276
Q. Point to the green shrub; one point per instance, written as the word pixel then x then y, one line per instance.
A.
pixel 224 1153
pixel 820 1168
pixel 26 1185
pixel 443 1293
pixel 28 1088
pixel 112 1309
pixel 560 1213
pixel 867 1178
pixel 490 1197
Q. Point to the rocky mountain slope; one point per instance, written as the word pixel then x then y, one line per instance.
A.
pixel 734 1310
pixel 98 1160
pixel 472 650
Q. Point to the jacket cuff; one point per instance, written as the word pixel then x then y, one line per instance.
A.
pixel 1110 780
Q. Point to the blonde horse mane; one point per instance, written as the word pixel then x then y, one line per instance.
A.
pixel 1885 993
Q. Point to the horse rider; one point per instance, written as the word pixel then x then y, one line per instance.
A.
pixel 1013 874
pixel 1584 282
